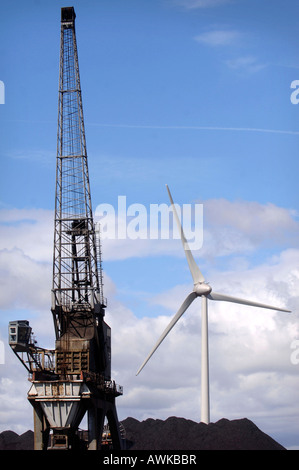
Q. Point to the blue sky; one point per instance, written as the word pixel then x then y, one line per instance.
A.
pixel 193 93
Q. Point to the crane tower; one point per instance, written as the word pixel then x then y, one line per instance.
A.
pixel 74 379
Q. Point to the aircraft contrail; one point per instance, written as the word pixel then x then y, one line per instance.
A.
pixel 200 128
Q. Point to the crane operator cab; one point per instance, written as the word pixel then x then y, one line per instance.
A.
pixel 19 333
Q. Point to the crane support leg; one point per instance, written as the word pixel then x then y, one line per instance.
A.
pixel 97 411
pixel 41 430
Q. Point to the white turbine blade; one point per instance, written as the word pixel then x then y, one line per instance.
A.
pixel 188 301
pixel 228 298
pixel 194 269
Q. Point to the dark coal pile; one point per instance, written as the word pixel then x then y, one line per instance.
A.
pixel 174 434
pixel 182 434
pixel 9 440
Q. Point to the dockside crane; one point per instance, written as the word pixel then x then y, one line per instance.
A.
pixel 74 379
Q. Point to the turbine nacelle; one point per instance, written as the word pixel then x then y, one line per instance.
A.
pixel 202 288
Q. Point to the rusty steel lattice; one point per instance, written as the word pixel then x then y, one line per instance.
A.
pixel 74 379
pixel 76 280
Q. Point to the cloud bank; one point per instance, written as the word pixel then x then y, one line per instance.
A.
pixel 251 372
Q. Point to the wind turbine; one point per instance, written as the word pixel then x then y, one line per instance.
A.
pixel 200 289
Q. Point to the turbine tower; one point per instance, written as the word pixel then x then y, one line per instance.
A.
pixel 200 289
pixel 75 378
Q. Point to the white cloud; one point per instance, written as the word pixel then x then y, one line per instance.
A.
pixel 30 230
pixel 24 282
pixel 251 217
pixel 240 227
pixel 194 4
pixel 249 351
pixel 251 372
pixel 250 368
pixel 225 37
pixel 229 228
pixel 245 63
pixel 218 37
pixel 15 411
